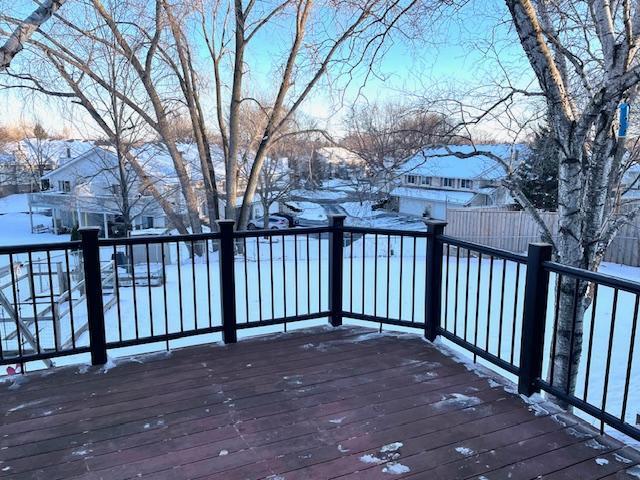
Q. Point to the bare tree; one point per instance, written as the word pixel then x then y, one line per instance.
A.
pixel 352 38
pixel 25 29
pixel 384 136
pixel 274 185
pixel 39 153
pixel 83 55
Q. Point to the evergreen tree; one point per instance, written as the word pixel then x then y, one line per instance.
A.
pixel 537 175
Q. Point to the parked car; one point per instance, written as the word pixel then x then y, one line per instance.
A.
pixel 275 223
pixel 292 219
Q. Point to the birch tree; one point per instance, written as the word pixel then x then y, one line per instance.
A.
pixel 583 59
pixel 584 56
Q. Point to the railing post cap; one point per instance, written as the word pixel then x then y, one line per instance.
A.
pixel 225 222
pixel 540 245
pixel 337 218
pixel 436 223
pixel 89 230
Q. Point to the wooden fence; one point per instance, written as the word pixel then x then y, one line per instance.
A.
pixel 514 230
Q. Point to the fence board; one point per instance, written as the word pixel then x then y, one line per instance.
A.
pixel 514 230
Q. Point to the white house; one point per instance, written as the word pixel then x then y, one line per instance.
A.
pixel 91 190
pixel 435 179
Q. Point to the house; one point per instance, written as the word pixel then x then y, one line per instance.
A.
pixel 310 169
pixel 436 179
pixel 14 177
pixel 92 190
pixel 23 163
pixel 338 162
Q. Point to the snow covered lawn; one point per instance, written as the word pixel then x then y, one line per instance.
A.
pixel 15 227
pixel 318 194
pixel 312 211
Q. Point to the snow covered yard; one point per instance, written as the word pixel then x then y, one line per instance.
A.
pixel 15 226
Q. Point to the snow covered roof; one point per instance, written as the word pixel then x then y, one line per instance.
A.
pixel 57 151
pixel 339 155
pixel 153 157
pixel 448 196
pixel 442 162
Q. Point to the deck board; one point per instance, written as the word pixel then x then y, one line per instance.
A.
pixel 311 404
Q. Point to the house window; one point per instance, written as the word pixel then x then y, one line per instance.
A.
pixel 411 179
pixel 465 183
pixel 44 184
pixel 116 189
pixel 64 186
pixel 425 181
pixel 148 222
pixel 448 182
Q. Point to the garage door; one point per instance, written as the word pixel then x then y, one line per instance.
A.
pixel 412 206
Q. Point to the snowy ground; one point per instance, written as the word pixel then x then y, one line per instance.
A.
pixel 312 211
pixel 15 227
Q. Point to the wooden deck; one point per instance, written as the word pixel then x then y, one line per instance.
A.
pixel 314 404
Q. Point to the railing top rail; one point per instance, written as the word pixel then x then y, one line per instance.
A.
pixel 38 247
pixel 387 231
pixel 477 247
pixel 281 232
pixel 148 239
pixel 597 277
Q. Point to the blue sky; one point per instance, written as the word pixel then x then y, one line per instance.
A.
pixel 450 54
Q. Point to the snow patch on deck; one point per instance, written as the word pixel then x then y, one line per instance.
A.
pixel 391 447
pixel 457 399
pixel 395 468
pixel 368 458
pixel 465 451
pixel 596 445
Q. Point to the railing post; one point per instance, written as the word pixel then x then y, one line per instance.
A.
pixel 93 292
pixel 336 248
pixel 535 309
pixel 433 294
pixel 227 281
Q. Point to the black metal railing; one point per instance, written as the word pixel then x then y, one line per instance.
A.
pixel 499 306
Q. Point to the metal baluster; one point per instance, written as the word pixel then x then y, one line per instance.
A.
pixel 500 325
pixel 33 301
pixel 116 283
pixel 609 349
pixel 193 281
pixel 273 314
pixel 489 304
pixel 71 318
pixel 146 245
pixel 594 306
pixel 56 338
pixel 632 342
pixel 179 266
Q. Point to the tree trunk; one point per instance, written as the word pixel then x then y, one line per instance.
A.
pixel 566 348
